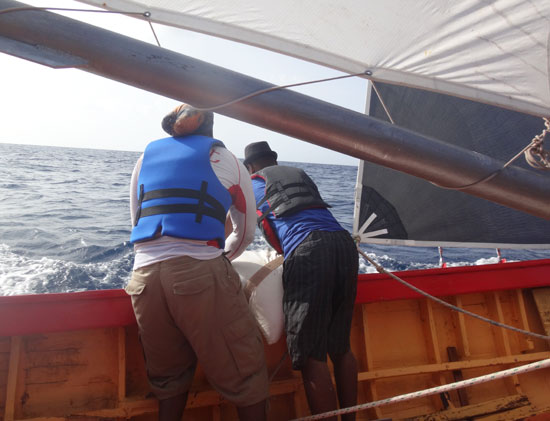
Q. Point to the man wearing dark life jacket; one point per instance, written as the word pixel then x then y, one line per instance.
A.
pixel 319 277
pixel 186 296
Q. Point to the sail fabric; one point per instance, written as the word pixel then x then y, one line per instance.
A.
pixel 493 51
pixel 396 208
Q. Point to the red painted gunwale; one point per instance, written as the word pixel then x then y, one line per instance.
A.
pixel 30 314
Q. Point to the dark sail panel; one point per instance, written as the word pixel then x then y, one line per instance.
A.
pixel 396 208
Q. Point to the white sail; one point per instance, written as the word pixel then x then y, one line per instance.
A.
pixel 492 51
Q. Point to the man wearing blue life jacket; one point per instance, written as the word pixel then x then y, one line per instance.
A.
pixel 319 277
pixel 186 296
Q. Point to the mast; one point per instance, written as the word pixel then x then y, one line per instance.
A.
pixel 60 42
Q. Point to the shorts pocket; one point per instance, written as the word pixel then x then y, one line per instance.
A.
pixel 232 281
pixel 134 288
pixel 244 342
pixel 193 286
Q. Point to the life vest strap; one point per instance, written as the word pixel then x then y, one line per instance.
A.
pixel 281 189
pixel 140 200
pixel 183 208
pixel 276 204
pixel 207 204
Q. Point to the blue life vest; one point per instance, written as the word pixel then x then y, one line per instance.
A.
pixel 178 192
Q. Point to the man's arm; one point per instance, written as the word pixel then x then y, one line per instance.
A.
pixel 234 177
pixel 133 189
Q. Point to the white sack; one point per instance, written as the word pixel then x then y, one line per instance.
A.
pixel 266 300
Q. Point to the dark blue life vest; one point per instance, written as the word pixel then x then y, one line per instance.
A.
pixel 287 190
pixel 178 192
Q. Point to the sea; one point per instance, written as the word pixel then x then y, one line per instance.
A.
pixel 65 221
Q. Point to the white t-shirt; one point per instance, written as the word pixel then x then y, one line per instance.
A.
pixel 234 177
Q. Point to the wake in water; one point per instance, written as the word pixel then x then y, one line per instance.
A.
pixel 25 275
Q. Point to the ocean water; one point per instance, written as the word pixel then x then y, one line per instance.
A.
pixel 65 221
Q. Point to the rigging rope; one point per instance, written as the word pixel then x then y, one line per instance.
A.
pixel 63 9
pixel 382 101
pixel 434 390
pixel 154 33
pixel 278 87
pixel 534 153
pixel 146 14
pixel 212 108
pixel 380 269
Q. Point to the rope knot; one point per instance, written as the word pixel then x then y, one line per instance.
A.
pixel 535 155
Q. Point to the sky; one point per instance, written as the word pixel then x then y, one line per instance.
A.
pixel 69 107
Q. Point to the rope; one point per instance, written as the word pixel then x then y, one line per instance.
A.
pixel 276 88
pixel 382 102
pixel 434 390
pixel 252 283
pixel 534 153
pixel 154 33
pixel 279 365
pixel 213 108
pixel 446 304
pixel 536 156
pixel 62 9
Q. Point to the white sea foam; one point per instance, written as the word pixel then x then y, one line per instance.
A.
pixel 20 275
pixel 24 275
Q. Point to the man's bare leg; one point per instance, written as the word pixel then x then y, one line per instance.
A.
pixel 345 374
pixel 319 389
pixel 171 409
pixel 256 412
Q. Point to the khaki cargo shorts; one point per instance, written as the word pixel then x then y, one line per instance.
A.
pixel 189 310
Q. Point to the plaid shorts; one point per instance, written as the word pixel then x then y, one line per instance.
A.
pixel 191 310
pixel 320 285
